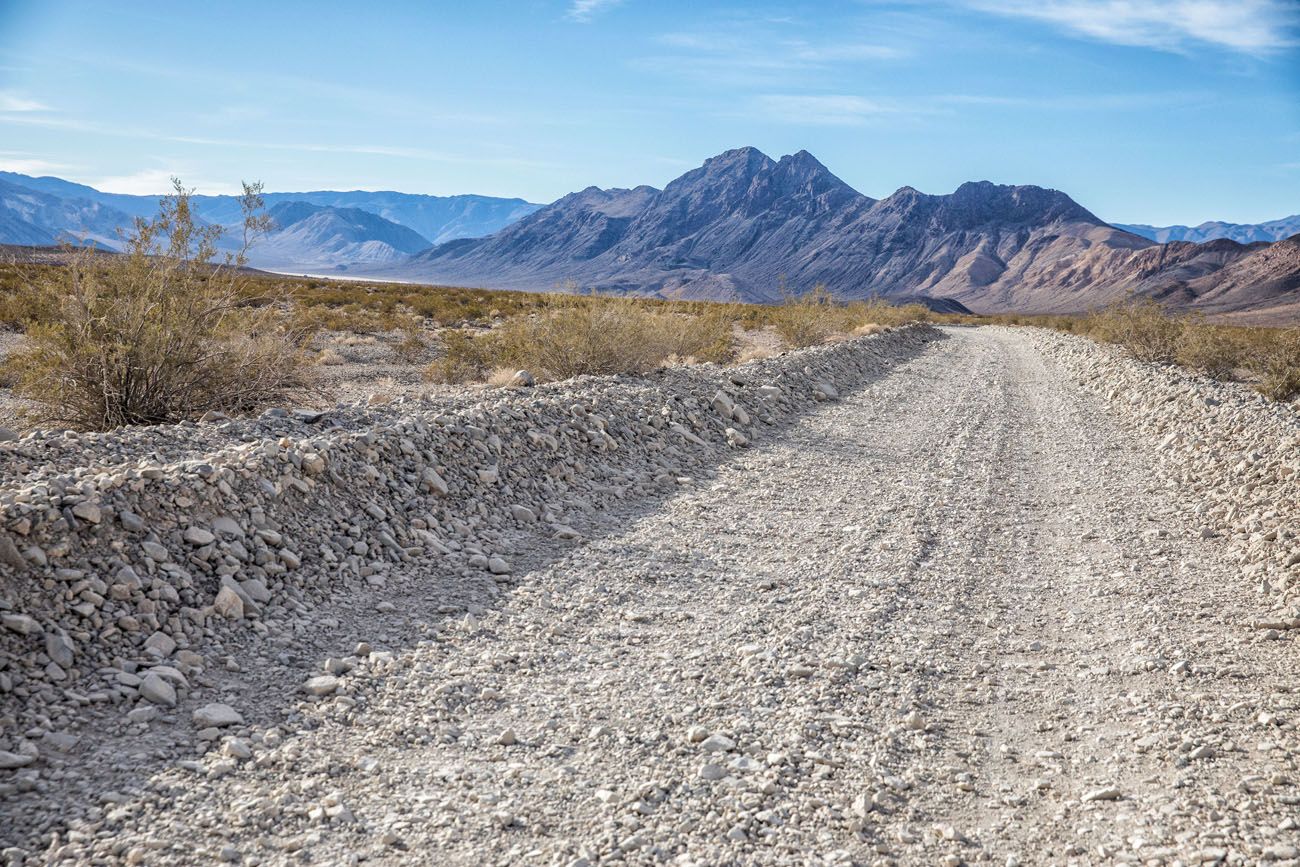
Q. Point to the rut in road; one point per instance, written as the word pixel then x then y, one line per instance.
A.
pixel 955 617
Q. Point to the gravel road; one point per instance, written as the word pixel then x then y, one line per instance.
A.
pixel 957 616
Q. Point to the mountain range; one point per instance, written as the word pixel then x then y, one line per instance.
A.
pixel 315 231
pixel 1242 233
pixel 743 225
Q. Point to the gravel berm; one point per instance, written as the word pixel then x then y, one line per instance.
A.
pixel 964 613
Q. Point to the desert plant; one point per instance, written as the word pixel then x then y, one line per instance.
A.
pixel 809 319
pixel 1142 326
pixel 1208 349
pixel 1274 357
pixel 158 333
pixel 576 337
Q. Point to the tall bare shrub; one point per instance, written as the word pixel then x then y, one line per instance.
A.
pixel 1275 358
pixel 158 333
pixel 1142 326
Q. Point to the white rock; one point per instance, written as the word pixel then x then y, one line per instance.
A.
pixel 324 684
pixel 717 744
pixel 217 716
pixel 712 772
pixel 228 604
pixel 1107 793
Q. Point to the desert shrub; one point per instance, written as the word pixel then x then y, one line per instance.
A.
pixel 463 359
pixel 707 336
pixel 1209 349
pixel 157 334
pixel 809 319
pixel 1274 358
pixel 573 339
pixel 1142 326
pixel 412 347
pixel 879 312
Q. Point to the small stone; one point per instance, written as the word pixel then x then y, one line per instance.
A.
pixel 59 648
pixel 157 690
pixel 1108 793
pixel 143 714
pixel 736 439
pixel 21 623
pixel 61 741
pixel 712 772
pixel 914 721
pixel 228 604
pixel 9 761
pixel 717 744
pixel 433 483
pixel 522 379
pixel 161 643
pixel 237 748
pixel 87 511
pixel 498 566
pixel 324 684
pixel 507 738
pixel 198 537
pixel 217 716
pixel 155 552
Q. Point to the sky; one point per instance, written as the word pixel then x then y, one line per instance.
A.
pixel 1144 111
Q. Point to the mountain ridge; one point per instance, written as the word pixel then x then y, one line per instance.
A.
pixel 742 226
pixel 48 210
pixel 1213 230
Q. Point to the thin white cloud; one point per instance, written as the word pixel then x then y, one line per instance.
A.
pixel 757 58
pixel 583 11
pixel 1136 100
pixel 1248 26
pixel 822 110
pixel 27 164
pixel 151 182
pixel 16 102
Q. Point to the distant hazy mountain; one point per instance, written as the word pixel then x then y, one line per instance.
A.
pixel 1242 233
pixel 42 210
pixel 315 238
pixel 29 216
pixel 742 225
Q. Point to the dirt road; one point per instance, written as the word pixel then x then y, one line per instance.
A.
pixel 955 617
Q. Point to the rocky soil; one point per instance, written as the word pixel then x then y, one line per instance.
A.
pixel 985 595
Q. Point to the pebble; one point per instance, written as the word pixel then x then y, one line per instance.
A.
pixel 217 716
pixel 321 685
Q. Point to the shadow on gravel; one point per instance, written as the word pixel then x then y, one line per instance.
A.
pixel 266 685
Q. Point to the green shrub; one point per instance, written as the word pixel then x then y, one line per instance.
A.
pixel 1209 349
pixel 573 339
pixel 157 334
pixel 1142 327
pixel 1275 360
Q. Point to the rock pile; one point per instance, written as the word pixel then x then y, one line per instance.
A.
pixel 123 556
pixel 1237 450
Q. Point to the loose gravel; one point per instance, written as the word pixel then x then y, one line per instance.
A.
pixel 966 612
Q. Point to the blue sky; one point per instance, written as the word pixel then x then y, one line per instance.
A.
pixel 1155 111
